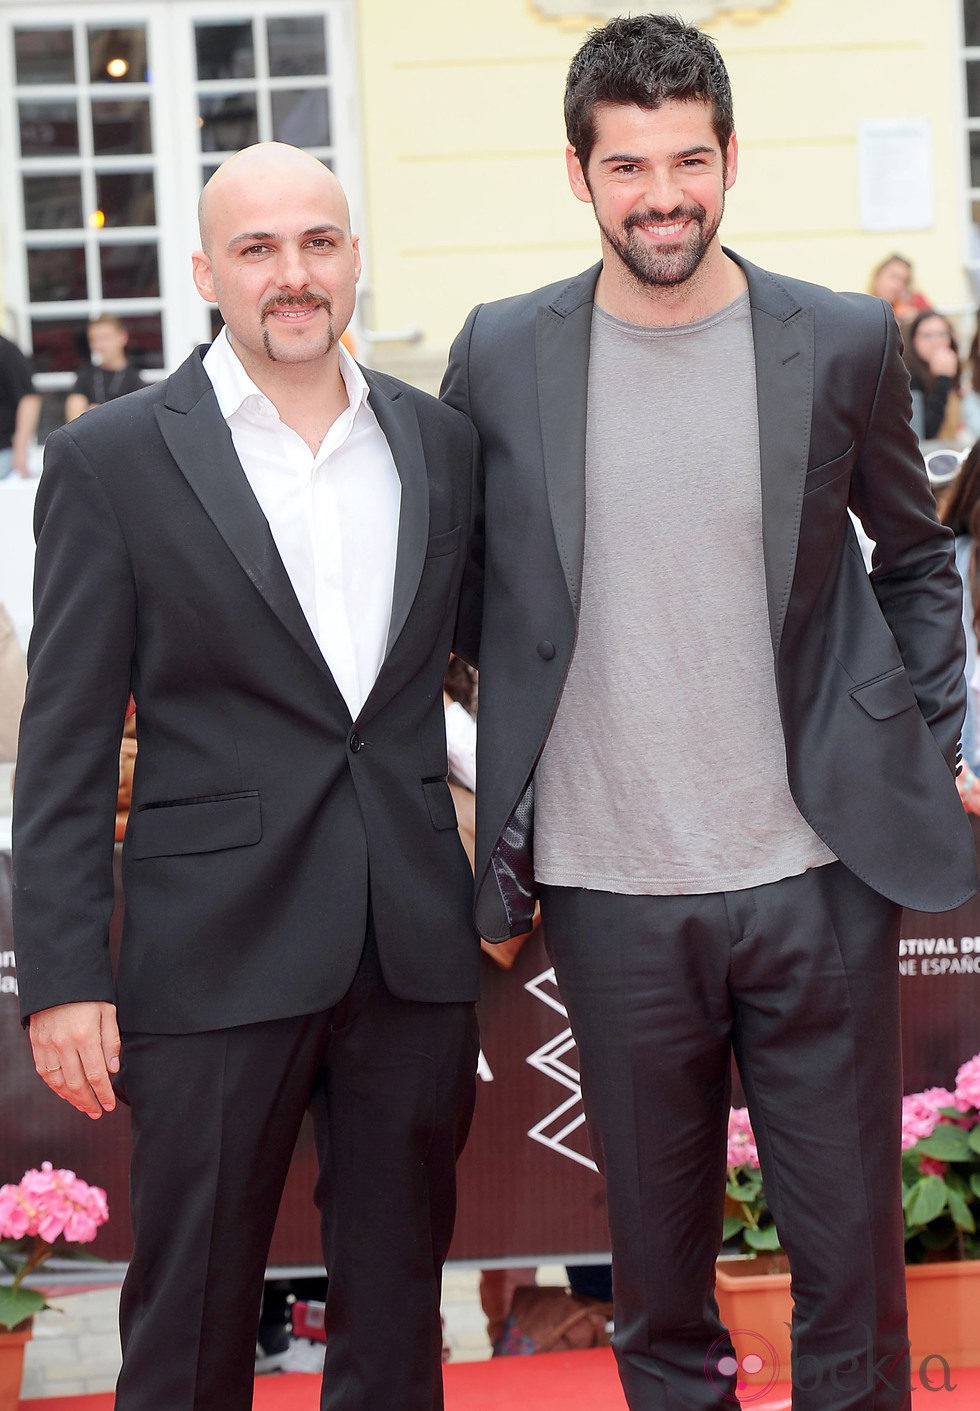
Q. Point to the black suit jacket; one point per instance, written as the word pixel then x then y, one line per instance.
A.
pixel 262 815
pixel 869 670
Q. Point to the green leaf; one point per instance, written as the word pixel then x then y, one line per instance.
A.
pixel 946 1143
pixel 975 1182
pixel 18 1304
pixel 960 1211
pixel 926 1200
pixel 975 1138
pixel 732 1227
pixel 766 1239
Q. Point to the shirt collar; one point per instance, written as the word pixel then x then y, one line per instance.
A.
pixel 233 387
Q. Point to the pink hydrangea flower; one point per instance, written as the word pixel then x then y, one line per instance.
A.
pixel 921 1113
pixel 49 1203
pixel 968 1084
pixel 741 1139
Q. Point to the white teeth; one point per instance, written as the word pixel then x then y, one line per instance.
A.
pixel 665 229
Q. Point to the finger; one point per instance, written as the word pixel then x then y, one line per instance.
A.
pixel 95 1070
pixel 75 1086
pixel 111 1042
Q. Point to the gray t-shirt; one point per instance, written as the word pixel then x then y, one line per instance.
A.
pixel 665 770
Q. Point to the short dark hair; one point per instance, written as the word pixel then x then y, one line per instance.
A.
pixel 647 60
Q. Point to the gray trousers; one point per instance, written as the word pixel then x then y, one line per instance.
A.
pixel 799 979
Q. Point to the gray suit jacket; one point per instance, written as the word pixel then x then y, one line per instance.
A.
pixel 869 669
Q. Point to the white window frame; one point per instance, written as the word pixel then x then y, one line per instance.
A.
pixel 175 159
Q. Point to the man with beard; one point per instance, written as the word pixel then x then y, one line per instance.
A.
pixel 720 752
pixel 266 551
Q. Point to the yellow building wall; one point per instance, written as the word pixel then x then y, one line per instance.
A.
pixel 465 190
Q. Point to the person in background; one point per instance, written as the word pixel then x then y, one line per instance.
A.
pixel 970 389
pixel 892 281
pixel 960 512
pixel 13 679
pixel 20 410
pixel 108 373
pixel 932 358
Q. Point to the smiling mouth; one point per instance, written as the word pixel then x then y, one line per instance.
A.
pixel 663 232
pixel 295 312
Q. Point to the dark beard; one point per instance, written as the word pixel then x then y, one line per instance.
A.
pixel 663 268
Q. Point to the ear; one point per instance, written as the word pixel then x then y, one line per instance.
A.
pixel 203 279
pixel 731 162
pixel 355 244
pixel 576 176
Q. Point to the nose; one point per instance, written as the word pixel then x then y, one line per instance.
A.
pixel 663 191
pixel 291 268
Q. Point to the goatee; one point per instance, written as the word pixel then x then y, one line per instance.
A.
pixel 669 264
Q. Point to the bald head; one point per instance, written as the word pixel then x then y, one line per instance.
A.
pixel 273 168
pixel 279 260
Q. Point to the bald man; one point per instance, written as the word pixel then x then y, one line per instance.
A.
pixel 273 547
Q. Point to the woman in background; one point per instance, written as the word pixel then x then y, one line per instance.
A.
pixel 961 513
pixel 933 361
pixel 892 281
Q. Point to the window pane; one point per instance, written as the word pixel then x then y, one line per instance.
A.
pixel 117 55
pixel 56 275
pixel 48 129
pixel 973 88
pixel 129 271
pixel 302 117
pixel 971 21
pixel 120 127
pixel 145 346
pixel 225 51
pixel 297 45
pixel 57 343
pixel 44 56
pixel 228 123
pixel 52 202
pixel 126 197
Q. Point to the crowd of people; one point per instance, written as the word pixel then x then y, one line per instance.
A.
pixel 284 549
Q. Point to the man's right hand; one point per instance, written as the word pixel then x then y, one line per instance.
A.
pixel 76 1048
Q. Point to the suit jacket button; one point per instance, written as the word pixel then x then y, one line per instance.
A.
pixel 354 742
pixel 546 650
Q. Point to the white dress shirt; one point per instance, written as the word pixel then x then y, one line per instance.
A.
pixel 333 514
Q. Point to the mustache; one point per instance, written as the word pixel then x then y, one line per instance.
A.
pixel 651 217
pixel 312 299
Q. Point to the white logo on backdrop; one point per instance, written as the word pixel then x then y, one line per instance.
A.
pixel 563 1129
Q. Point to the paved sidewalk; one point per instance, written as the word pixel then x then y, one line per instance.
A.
pixel 75 1347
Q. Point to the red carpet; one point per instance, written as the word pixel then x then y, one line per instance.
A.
pixel 558 1381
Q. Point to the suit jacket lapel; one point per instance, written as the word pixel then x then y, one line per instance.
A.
pixel 398 421
pixel 782 331
pixel 562 359
pixel 200 442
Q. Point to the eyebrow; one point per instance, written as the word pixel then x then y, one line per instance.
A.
pixel 258 237
pixel 673 156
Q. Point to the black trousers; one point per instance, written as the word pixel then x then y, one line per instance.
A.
pixel 800 980
pixel 390 1084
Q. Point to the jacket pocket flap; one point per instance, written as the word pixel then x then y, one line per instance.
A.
pixel 441 544
pixel 888 695
pixel 442 810
pixel 195 825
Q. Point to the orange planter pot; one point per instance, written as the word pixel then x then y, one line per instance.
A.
pixel 12 1347
pixel 944 1315
pixel 756 1308
pixel 944 1312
